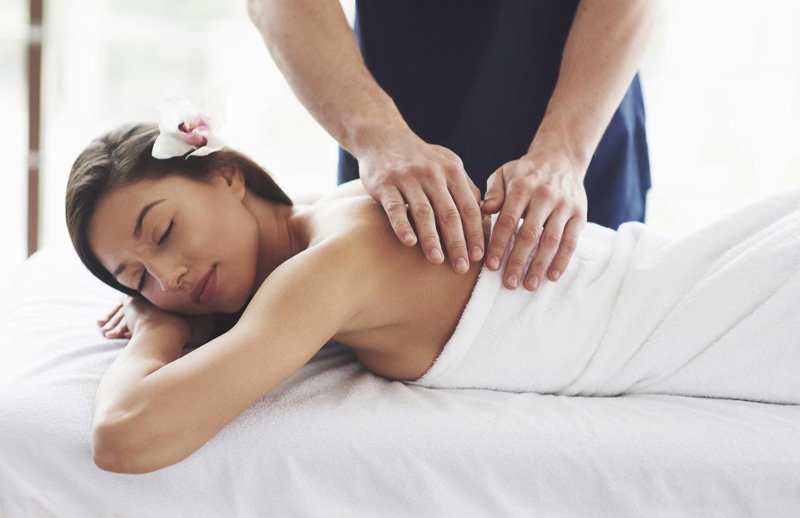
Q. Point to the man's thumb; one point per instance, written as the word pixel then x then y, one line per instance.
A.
pixel 495 193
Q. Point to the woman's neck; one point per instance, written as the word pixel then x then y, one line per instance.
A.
pixel 283 231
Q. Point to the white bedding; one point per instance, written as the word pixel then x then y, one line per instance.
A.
pixel 714 313
pixel 336 440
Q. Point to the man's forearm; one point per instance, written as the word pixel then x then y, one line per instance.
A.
pixel 601 57
pixel 326 71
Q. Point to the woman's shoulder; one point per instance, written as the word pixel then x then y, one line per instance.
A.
pixel 353 241
pixel 348 219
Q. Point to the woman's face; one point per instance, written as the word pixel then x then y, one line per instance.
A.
pixel 189 246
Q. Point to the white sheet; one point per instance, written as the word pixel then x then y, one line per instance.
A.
pixel 336 440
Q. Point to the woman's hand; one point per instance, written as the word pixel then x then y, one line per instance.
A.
pixel 133 316
pixel 113 325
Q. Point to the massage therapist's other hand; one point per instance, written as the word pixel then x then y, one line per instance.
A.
pixel 133 316
pixel 432 181
pixel 547 191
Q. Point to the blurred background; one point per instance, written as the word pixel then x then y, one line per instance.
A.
pixel 721 80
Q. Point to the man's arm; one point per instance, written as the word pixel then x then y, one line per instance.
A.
pixel 601 56
pixel 545 187
pixel 315 49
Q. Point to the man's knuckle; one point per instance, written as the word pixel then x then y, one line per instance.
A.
pixel 425 172
pixel 422 211
pixel 545 193
pixel 457 247
pixel 551 238
pixel 392 177
pixel 430 239
pixel 399 224
pixel 475 237
pixel 449 216
pixel 538 268
pixel 525 184
pixel 506 220
pixel 515 264
pixel 471 211
pixel 528 235
pixel 395 205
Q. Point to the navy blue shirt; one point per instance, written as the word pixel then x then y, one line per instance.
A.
pixel 475 76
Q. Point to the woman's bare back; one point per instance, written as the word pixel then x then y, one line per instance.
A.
pixel 406 323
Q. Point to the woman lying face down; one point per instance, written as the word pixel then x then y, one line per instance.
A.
pixel 192 239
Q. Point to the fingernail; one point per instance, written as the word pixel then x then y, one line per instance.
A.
pixel 461 265
pixel 436 255
pixel 494 263
pixel 512 281
pixel 534 282
pixel 477 253
pixel 556 275
pixel 409 238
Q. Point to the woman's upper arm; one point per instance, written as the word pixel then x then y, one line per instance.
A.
pixel 297 309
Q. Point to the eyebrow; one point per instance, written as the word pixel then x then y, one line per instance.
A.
pixel 137 231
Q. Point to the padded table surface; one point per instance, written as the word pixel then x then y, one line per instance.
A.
pixel 335 440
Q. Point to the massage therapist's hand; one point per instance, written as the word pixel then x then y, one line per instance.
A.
pixel 546 189
pixel 134 316
pixel 432 181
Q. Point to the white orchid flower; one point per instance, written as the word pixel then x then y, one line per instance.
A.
pixel 185 128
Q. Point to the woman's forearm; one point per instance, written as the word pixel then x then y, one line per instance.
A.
pixel 118 395
pixel 316 50
pixel 602 53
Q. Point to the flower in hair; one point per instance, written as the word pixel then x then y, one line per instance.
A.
pixel 185 128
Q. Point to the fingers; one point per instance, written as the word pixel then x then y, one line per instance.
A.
pixel 443 203
pixel 113 325
pixel 549 242
pixel 443 195
pixel 495 192
pixel 119 331
pixel 470 225
pixel 424 221
pixel 504 227
pixel 528 237
pixel 449 219
pixel 397 212
pixel 568 245
pixel 102 321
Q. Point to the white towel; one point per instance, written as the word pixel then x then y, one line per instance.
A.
pixel 713 314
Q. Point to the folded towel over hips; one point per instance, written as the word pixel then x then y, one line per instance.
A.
pixel 714 313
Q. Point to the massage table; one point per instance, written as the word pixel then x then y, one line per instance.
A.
pixel 336 440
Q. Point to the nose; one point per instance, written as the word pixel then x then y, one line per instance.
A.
pixel 169 278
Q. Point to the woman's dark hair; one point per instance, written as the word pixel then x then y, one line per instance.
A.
pixel 122 157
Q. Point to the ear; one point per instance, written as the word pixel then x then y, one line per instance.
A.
pixel 234 178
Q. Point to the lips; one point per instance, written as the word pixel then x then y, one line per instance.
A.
pixel 204 289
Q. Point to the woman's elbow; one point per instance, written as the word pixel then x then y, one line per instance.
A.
pixel 115 449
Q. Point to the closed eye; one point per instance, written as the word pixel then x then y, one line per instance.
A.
pixel 161 241
pixel 166 234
